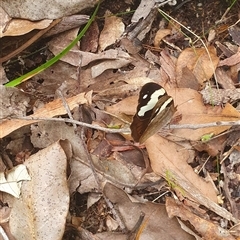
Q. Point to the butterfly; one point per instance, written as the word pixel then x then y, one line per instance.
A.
pixel 155 110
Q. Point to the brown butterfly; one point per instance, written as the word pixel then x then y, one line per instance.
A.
pixel 155 110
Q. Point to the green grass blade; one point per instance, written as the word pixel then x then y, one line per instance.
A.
pixel 49 63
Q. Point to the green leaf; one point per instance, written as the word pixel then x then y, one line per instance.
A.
pixel 207 137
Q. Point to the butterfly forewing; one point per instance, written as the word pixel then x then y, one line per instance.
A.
pixel 155 109
pixel 147 100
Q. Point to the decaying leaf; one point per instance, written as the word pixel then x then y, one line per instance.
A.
pixel 199 61
pixel 190 105
pixel 167 157
pixel 112 31
pixel 156 223
pixel 12 182
pixel 13 102
pixel 206 228
pixel 21 26
pixel 51 109
pixel 44 202
pixel 233 60
pixel 167 162
pixel 160 35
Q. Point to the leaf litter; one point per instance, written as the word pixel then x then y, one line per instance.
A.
pixel 88 183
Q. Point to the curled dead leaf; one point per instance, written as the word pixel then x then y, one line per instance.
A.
pixel 202 62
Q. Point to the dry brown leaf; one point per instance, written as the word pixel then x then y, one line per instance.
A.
pixel 165 162
pixel 5 18
pixel 122 60
pixel 167 157
pixel 156 223
pixel 197 60
pixel 89 42
pixel 112 30
pixel 44 134
pixel 107 78
pixel 190 106
pixel 57 44
pixel 234 31
pixel 168 72
pixel 161 33
pixel 110 59
pixel 234 70
pixel 108 170
pixel 142 11
pixel 116 171
pixel 67 23
pixel 18 27
pixel 207 229
pixel 59 76
pixel 4 214
pixel 188 80
pixel 213 147
pixel 80 172
pixel 54 108
pixel 138 81
pixel 127 105
pixel 233 60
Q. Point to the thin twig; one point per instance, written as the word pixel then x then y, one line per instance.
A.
pixel 90 161
pixel 127 130
pixel 83 124
pixel 133 233
pixel 65 104
pixel 205 125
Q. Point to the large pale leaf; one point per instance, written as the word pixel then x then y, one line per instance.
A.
pixel 41 210
pixel 44 9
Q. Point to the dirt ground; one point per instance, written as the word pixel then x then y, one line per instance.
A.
pixel 206 152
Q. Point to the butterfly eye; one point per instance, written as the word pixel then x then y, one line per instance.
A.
pixel 155 109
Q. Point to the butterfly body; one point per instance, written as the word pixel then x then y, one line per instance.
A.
pixel 155 109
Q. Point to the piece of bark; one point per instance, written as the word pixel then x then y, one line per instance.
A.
pixel 220 96
pixel 68 23
pixel 224 79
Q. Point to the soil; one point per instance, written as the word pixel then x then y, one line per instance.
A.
pixel 200 16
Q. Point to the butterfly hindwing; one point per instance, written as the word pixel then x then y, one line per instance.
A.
pixel 162 115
